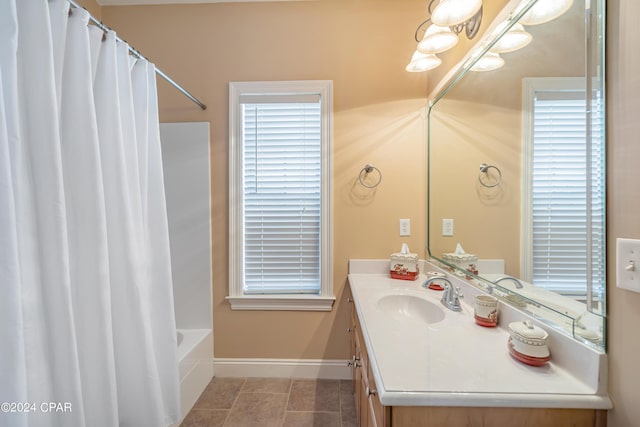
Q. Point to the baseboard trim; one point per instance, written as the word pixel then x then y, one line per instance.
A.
pixel 282 368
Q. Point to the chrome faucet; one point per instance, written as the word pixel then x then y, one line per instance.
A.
pixel 451 296
pixel 513 279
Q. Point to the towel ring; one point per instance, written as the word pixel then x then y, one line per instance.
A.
pixel 484 169
pixel 366 171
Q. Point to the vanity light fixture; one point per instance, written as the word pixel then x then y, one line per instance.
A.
pixel 454 12
pixel 489 61
pixel 422 62
pixel 545 11
pixel 448 18
pixel 514 39
pixel 437 39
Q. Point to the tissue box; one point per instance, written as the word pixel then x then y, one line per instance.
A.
pixel 404 266
pixel 463 261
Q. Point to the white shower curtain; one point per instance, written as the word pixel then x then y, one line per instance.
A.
pixel 87 329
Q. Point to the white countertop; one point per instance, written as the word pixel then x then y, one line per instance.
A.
pixel 454 362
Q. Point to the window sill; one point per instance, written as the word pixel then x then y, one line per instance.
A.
pixel 280 302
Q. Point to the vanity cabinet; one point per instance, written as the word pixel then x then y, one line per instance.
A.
pixel 371 413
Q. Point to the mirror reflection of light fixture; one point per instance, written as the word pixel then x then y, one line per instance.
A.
pixel 437 39
pixel 514 39
pixel 422 62
pixel 453 12
pixel 544 11
pixel 489 61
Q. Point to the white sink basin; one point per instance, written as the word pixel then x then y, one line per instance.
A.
pixel 410 307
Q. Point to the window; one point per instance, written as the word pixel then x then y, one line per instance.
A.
pixel 279 190
pixel 564 243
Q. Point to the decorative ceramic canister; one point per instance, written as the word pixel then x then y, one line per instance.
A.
pixel 461 259
pixel 529 340
pixel 404 264
pixel 485 310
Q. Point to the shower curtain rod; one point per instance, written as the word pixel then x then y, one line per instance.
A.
pixel 138 55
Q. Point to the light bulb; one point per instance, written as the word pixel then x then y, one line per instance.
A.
pixel 490 61
pixel 422 62
pixel 454 12
pixel 437 39
pixel 545 11
pixel 514 39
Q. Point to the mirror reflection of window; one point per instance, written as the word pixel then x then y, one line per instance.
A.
pixel 564 203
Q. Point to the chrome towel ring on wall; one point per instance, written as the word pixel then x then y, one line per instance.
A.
pixel 486 179
pixel 369 168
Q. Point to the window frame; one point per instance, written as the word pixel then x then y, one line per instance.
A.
pixel 530 87
pixel 305 302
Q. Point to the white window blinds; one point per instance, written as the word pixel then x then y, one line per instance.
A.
pixel 567 198
pixel 281 206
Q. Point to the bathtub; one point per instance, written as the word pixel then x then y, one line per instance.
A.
pixel 195 361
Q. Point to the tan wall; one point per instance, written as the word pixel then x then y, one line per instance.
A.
pixel 623 151
pixel 363 46
pixel 92 6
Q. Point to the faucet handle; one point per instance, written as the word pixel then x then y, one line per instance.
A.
pixel 453 291
pixel 456 295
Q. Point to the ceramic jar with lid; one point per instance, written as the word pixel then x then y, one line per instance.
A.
pixel 528 343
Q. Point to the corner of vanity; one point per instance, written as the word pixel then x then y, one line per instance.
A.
pixel 418 364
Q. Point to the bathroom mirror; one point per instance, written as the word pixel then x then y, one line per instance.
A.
pixel 517 172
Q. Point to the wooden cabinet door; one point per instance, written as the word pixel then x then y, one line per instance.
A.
pixel 363 405
pixel 374 420
pixel 369 410
pixel 357 372
pixel 379 412
pixel 352 342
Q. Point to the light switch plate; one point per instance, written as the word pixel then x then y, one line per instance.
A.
pixel 628 264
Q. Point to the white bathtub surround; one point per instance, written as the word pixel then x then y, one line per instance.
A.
pixel 195 355
pixel 454 362
pixel 86 313
pixel 187 177
pixel 185 149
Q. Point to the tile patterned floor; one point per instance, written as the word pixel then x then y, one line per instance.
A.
pixel 274 402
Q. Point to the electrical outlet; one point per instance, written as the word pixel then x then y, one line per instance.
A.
pixel 405 227
pixel 447 227
pixel 628 264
